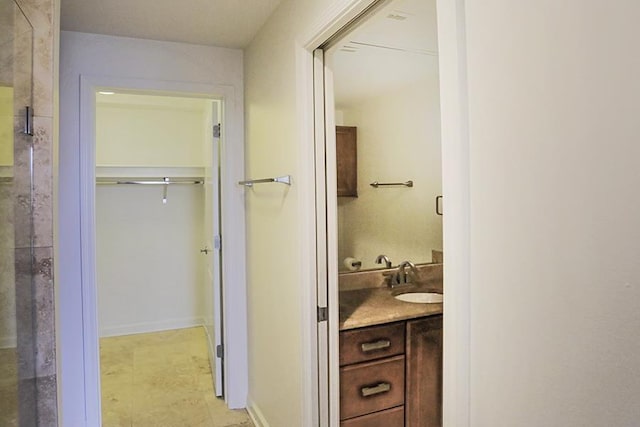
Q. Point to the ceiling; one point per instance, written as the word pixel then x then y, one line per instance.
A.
pixel 223 23
pixel 397 46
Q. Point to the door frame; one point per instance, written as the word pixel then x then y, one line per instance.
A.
pixel 322 354
pixel 232 211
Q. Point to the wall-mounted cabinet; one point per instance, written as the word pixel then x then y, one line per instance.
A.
pixel 347 161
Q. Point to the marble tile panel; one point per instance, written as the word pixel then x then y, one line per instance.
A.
pixel 22 65
pixel 25 328
pixel 47 403
pixel 45 343
pixel 27 402
pixel 40 14
pixel 21 186
pixel 43 182
pixel 8 366
pixel 42 203
pixel 8 406
pixel 7 269
pixel 6 59
pixel 8 387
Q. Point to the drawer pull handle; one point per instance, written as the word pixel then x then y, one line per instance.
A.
pixel 377 389
pixel 376 345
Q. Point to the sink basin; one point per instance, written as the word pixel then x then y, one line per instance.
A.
pixel 421 297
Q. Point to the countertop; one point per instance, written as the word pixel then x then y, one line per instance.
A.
pixel 374 306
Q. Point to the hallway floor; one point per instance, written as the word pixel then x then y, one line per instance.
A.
pixel 162 379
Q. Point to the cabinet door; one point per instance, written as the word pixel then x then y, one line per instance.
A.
pixel 423 407
pixel 347 161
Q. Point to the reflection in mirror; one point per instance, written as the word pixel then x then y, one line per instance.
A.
pixel 386 87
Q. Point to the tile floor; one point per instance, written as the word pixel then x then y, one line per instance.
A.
pixel 161 379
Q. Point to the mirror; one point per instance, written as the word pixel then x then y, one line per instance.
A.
pixel 386 86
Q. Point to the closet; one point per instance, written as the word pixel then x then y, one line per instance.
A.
pixel 156 216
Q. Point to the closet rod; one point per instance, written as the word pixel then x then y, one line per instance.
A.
pixel 150 181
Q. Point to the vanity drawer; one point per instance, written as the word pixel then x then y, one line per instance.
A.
pixel 371 386
pixel 375 342
pixel 393 417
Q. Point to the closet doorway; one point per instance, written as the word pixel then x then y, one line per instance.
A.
pixel 158 257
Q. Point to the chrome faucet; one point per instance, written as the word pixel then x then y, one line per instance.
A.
pixel 402 276
pixel 384 258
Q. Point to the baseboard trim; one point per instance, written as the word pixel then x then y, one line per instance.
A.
pixel 145 327
pixel 255 414
pixel 8 342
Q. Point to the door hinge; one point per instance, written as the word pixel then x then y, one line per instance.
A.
pixel 217 242
pixel 216 130
pixel 220 351
pixel 323 314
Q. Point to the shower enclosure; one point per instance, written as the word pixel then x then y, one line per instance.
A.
pixel 18 397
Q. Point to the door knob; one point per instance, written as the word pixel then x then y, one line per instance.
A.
pixel 205 251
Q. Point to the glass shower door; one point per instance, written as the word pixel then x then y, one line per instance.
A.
pixel 17 353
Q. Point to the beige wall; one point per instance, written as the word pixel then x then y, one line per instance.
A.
pixel 398 140
pixel 552 158
pixel 274 222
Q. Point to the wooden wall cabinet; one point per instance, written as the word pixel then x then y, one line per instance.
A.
pixel 391 375
pixel 347 161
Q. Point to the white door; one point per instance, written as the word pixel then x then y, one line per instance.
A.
pixel 213 248
pixel 327 245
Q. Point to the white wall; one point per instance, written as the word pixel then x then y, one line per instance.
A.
pixel 553 149
pixel 149 266
pixel 150 130
pixel 150 272
pixel 398 140
pixel 149 65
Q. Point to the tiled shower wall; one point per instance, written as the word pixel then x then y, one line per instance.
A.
pixel 34 272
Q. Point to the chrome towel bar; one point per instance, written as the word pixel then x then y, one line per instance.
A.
pixel 286 179
pixel 376 184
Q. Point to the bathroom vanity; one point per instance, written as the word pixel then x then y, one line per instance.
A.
pixel 391 375
pixel 390 360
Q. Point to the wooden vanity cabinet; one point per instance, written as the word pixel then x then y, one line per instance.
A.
pixel 347 161
pixel 423 401
pixel 391 375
